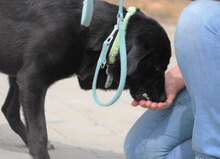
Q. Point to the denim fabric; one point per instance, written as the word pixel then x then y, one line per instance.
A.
pixel 197 46
pixel 201 156
pixel 163 134
pixel 190 128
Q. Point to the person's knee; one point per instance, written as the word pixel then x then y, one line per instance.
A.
pixel 199 16
pixel 148 148
pixel 158 148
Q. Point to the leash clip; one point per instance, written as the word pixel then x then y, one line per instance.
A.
pixel 111 36
pixel 109 79
pixel 109 39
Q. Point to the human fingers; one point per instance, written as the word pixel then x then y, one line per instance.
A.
pixel 158 106
pixel 164 105
pixel 148 104
pixel 135 103
pixel 167 103
pixel 153 105
pixel 145 104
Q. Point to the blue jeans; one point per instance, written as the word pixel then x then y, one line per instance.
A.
pixel 190 128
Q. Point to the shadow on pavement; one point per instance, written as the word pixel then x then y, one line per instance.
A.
pixel 11 146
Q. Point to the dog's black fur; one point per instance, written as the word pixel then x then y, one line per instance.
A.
pixel 42 41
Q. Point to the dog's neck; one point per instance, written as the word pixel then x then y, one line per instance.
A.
pixel 96 34
pixel 101 26
pixel 103 21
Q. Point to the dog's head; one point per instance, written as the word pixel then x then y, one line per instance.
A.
pixel 149 52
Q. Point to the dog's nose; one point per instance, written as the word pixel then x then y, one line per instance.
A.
pixel 158 97
pixel 139 97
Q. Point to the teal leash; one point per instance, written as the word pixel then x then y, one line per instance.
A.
pixel 87 12
pixel 102 58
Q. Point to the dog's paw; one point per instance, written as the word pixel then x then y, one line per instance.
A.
pixel 50 146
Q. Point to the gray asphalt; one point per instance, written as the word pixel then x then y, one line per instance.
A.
pixel 77 127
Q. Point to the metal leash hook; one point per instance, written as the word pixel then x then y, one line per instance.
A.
pixel 109 79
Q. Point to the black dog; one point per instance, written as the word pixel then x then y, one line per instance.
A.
pixel 42 41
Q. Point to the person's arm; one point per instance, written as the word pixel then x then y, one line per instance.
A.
pixel 173 84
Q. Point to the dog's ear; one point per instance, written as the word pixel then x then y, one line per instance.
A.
pixel 135 55
pixel 132 61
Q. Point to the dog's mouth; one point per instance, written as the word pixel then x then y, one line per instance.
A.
pixel 153 95
pixel 143 96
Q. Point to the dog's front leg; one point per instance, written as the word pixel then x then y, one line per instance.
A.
pixel 33 91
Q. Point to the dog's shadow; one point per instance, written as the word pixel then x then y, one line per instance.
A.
pixel 12 146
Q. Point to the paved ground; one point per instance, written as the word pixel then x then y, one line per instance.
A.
pixel 77 127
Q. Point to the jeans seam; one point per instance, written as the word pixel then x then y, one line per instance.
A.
pixel 171 136
pixel 157 123
pixel 181 103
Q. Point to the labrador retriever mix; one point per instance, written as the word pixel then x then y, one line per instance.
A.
pixel 42 41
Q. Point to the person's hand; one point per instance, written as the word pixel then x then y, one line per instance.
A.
pixel 173 84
